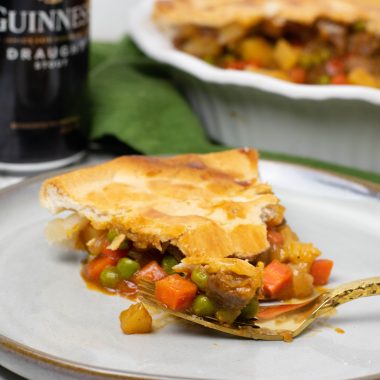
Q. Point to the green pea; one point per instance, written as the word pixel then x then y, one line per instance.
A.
pixel 324 79
pixel 228 58
pixel 127 267
pixel 227 316
pixel 112 233
pixel 307 61
pixel 203 306
pixel 168 262
pixel 110 277
pixel 199 277
pixel 360 26
pixel 325 55
pixel 209 59
pixel 251 309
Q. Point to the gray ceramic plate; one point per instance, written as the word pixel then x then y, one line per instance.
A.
pixel 53 327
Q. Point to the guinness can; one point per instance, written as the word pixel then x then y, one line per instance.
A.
pixel 43 68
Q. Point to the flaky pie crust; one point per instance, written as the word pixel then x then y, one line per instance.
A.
pixel 219 13
pixel 209 206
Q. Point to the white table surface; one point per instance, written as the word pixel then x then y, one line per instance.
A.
pixel 108 23
pixel 110 19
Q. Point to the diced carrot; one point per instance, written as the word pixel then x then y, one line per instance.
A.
pixel 107 258
pixel 94 267
pixel 236 65
pixel 242 65
pixel 335 66
pixel 339 79
pixel 276 278
pixel 275 238
pixel 117 254
pixel 254 64
pixel 269 312
pixel 150 272
pixel 321 270
pixel 297 75
pixel 176 292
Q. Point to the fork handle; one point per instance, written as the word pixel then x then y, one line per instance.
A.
pixel 351 291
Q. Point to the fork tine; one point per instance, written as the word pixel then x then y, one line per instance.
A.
pixel 146 286
pixel 246 330
pixel 298 318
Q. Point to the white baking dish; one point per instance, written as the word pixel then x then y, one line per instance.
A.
pixel 340 124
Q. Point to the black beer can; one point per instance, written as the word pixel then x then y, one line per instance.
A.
pixel 44 47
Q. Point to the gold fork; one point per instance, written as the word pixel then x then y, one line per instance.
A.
pixel 286 325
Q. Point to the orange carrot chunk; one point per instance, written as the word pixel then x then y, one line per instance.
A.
pixel 115 255
pixel 176 292
pixel 94 267
pixel 277 277
pixel 150 272
pixel 269 312
pixel 339 79
pixel 297 75
pixel 321 270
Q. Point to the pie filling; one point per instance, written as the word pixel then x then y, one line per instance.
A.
pixel 326 52
pixel 214 288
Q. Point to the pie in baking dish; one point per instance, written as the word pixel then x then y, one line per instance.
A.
pixel 302 41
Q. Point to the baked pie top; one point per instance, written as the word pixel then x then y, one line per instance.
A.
pixel 211 206
pixel 219 13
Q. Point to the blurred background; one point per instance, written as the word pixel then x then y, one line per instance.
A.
pixel 195 108
pixel 110 21
pixel 339 133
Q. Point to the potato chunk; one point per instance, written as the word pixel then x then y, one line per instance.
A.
pixel 258 50
pixel 362 77
pixel 202 46
pixel 136 320
pixel 301 253
pixel 285 55
pixel 302 282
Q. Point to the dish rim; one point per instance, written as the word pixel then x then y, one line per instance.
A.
pixel 44 358
pixel 143 31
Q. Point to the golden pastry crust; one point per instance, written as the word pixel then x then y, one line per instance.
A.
pixel 211 205
pixel 219 13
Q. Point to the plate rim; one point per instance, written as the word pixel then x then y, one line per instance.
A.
pixel 210 74
pixel 38 357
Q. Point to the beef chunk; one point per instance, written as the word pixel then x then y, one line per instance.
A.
pixel 363 44
pixel 334 33
pixel 230 290
pixel 298 33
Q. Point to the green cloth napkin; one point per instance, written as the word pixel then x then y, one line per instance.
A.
pixel 135 107
pixel 133 99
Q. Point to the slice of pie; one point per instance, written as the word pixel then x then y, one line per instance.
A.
pixel 204 227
